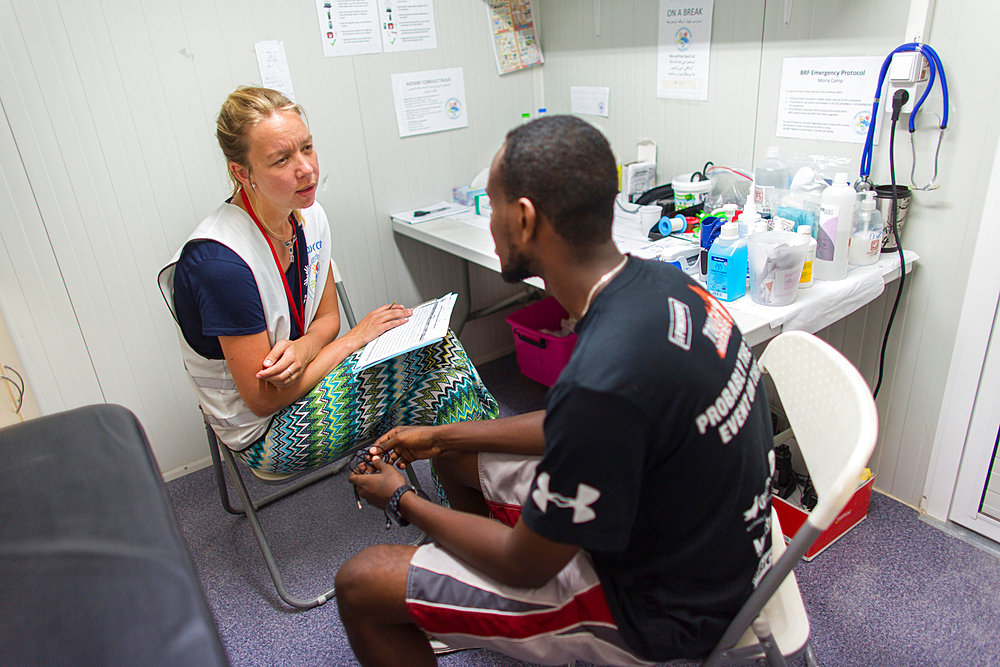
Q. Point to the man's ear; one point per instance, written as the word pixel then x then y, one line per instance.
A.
pixel 527 219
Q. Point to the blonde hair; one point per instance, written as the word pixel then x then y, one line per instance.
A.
pixel 241 112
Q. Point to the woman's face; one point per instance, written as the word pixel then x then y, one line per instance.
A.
pixel 284 166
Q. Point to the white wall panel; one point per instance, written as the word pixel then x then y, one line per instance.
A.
pixel 623 58
pixel 108 161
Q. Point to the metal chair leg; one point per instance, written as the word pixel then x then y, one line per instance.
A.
pixel 258 531
pixel 250 507
pixel 811 655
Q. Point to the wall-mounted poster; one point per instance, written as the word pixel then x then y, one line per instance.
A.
pixel 515 41
pixel 685 41
pixel 431 101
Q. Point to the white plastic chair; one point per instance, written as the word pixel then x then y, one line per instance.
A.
pixel 832 412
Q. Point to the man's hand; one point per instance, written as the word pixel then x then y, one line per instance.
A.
pixel 377 486
pixel 406 444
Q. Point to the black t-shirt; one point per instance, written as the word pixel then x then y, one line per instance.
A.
pixel 658 460
pixel 215 294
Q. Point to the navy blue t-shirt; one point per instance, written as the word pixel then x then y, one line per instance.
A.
pixel 657 460
pixel 215 294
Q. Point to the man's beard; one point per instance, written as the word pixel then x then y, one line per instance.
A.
pixel 518 267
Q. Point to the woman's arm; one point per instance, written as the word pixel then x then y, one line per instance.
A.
pixel 287 359
pixel 284 383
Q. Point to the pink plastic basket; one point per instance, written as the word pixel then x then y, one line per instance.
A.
pixel 541 356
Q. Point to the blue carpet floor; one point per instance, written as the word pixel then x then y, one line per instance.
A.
pixel 894 591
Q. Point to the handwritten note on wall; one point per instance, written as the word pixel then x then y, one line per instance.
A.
pixel 685 40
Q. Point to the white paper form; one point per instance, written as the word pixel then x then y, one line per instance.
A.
pixel 592 100
pixel 430 101
pixel 407 25
pixel 273 66
pixel 684 46
pixel 427 324
pixel 441 209
pixel 828 98
pixel 349 27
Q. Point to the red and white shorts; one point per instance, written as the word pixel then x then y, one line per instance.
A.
pixel 567 619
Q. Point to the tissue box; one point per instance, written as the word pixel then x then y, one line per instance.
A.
pixel 483 206
pixel 637 177
pixel 465 195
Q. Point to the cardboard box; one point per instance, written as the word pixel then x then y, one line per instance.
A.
pixel 792 516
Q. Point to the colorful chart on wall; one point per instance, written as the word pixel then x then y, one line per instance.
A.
pixel 515 41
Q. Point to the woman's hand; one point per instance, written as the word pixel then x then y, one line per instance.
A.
pixel 378 322
pixel 283 365
pixel 406 444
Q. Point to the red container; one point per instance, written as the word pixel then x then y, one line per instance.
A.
pixel 792 516
pixel 541 356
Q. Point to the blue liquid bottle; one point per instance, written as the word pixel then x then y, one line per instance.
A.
pixel 727 265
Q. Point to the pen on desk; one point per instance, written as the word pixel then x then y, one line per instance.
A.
pixel 420 214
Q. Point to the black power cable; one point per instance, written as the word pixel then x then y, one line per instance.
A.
pixel 898 100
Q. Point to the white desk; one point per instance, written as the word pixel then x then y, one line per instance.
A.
pixel 815 308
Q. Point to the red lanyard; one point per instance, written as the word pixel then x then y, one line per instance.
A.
pixel 295 308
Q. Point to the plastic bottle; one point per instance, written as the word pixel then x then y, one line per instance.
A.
pixel 836 217
pixel 807 269
pixel 748 219
pixel 769 174
pixel 866 237
pixel 727 265
pixel 730 210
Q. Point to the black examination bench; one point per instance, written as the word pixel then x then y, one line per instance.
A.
pixel 93 568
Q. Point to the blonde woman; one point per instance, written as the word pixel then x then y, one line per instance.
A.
pixel 253 295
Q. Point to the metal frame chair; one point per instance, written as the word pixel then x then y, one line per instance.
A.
pixel 290 485
pixel 832 412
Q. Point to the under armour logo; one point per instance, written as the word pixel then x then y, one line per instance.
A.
pixel 585 497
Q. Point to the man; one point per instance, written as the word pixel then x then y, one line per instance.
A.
pixel 634 511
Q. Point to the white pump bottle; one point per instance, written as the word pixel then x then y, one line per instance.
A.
pixel 836 216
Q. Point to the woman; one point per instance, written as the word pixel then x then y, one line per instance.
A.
pixel 252 291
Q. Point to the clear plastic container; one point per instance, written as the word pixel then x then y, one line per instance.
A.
pixel 769 174
pixel 776 260
pixel 866 236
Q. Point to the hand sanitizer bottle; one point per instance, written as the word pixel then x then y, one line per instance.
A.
pixel 836 217
pixel 727 265
pixel 866 238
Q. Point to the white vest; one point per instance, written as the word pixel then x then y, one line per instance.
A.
pixel 233 422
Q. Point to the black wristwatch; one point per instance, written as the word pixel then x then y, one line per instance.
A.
pixel 392 507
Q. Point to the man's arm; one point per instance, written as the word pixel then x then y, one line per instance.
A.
pixel 513 556
pixel 520 434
